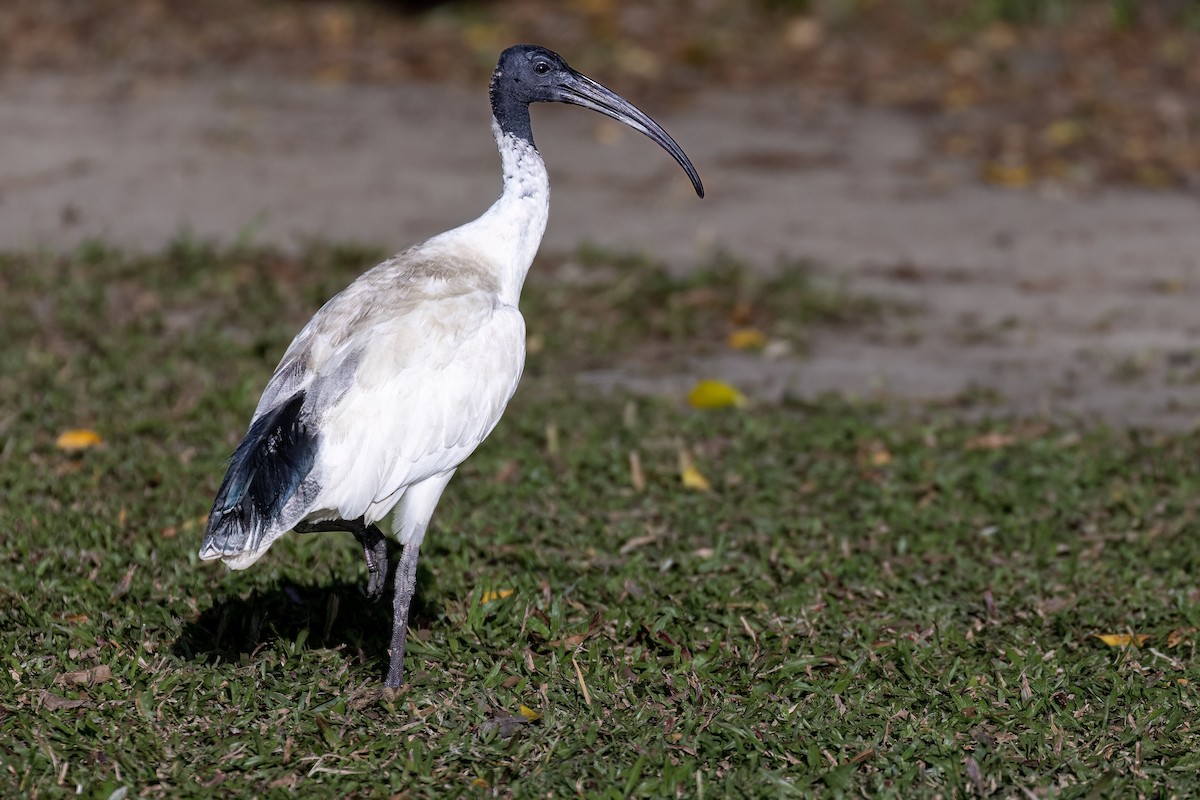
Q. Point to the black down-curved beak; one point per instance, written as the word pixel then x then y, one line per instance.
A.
pixel 580 90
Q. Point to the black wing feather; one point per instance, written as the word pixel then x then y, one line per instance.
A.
pixel 265 471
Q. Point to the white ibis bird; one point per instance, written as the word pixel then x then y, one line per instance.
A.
pixel 397 379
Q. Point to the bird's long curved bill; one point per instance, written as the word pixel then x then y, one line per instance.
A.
pixel 581 90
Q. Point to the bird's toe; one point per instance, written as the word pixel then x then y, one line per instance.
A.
pixel 376 581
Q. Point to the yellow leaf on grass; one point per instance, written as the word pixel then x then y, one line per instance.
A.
pixel 694 479
pixel 497 595
pixel 747 339
pixel 77 439
pixel 715 394
pixel 1123 639
pixel 529 714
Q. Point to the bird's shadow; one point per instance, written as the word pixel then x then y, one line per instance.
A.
pixel 335 615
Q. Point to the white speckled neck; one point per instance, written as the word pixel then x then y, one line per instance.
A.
pixel 508 234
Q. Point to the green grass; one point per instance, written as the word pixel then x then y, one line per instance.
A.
pixel 600 308
pixel 865 604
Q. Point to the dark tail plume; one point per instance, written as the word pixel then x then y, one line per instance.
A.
pixel 266 469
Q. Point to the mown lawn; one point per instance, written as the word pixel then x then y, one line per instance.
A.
pixel 867 602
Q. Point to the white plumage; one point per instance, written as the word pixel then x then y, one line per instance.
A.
pixel 413 364
pixel 398 378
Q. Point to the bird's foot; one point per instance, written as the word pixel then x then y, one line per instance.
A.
pixel 375 549
pixel 365 698
pixel 374 546
pixel 376 581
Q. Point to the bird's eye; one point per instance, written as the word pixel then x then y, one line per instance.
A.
pixel 541 68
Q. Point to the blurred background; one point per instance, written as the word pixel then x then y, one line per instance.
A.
pixel 995 200
pixel 1079 91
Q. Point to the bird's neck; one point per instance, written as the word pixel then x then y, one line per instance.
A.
pixel 510 114
pixel 507 236
pixel 512 228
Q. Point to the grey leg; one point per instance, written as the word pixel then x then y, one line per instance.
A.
pixel 406 586
pixel 373 543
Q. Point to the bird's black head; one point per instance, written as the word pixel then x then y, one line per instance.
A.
pixel 528 74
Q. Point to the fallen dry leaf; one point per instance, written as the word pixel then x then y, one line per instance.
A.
pixel 741 313
pixel 637 477
pixel 1063 133
pixel 503 726
pixel 500 594
pixel 587 697
pixel 990 441
pixel 1123 639
pixel 85 677
pixel 874 454
pixel 715 394
pixel 77 439
pixel 122 588
pixel 864 755
pixel 574 640
pixel 55 702
pixel 638 541
pixel 529 714
pixel 691 477
pixel 747 339
pixel 1008 176
pixel 1179 636
pixel 989 603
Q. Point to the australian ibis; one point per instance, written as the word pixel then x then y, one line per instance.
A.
pixel 398 378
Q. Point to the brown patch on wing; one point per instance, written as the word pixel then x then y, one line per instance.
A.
pixel 395 287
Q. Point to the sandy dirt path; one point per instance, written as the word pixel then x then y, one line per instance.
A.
pixel 1052 304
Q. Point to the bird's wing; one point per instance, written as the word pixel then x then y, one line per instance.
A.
pixel 426 391
pixel 269 475
pixel 397 378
